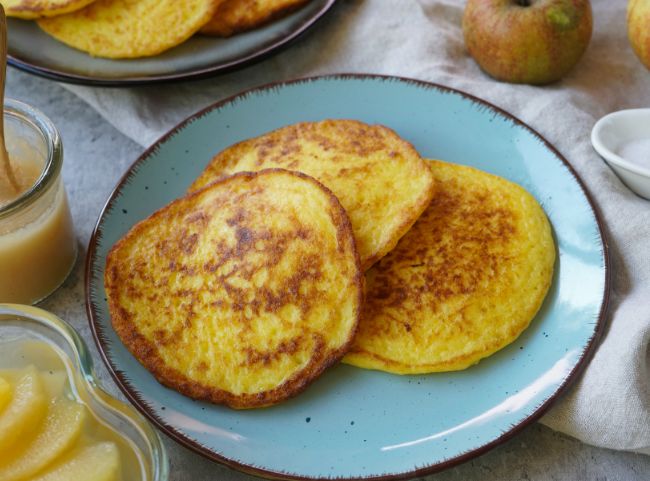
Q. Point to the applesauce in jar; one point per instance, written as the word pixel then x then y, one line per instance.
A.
pixel 37 243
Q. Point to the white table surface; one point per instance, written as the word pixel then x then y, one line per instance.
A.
pixel 96 155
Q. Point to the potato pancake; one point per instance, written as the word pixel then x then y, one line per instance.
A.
pixel 30 9
pixel 380 179
pixel 130 28
pixel 464 282
pixel 236 16
pixel 241 293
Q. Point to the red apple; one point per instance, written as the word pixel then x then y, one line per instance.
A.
pixel 638 28
pixel 527 41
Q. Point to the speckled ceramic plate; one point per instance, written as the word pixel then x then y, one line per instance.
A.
pixel 34 51
pixel 354 423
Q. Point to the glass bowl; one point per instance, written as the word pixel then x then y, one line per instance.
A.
pixel 27 323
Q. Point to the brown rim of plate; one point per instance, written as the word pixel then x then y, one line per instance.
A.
pixel 179 437
pixel 265 51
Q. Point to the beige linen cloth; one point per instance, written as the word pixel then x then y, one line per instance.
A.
pixel 609 406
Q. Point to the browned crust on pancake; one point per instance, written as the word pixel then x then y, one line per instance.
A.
pixel 408 288
pixel 226 22
pixel 223 162
pixel 145 351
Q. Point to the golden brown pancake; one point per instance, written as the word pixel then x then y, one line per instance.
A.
pixel 29 9
pixel 241 293
pixel 464 282
pixel 130 28
pixel 236 16
pixel 380 179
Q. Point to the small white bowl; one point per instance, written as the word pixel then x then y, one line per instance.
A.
pixel 615 130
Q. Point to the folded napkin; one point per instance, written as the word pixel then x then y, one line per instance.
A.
pixel 610 405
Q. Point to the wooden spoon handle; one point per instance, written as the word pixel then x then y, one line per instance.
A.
pixel 3 74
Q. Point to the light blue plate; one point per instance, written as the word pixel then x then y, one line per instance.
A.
pixel 354 423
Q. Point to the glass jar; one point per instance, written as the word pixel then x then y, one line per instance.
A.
pixel 37 242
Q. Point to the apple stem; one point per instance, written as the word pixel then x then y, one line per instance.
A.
pixel 523 3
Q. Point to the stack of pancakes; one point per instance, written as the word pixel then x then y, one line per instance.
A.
pixel 141 28
pixel 324 241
